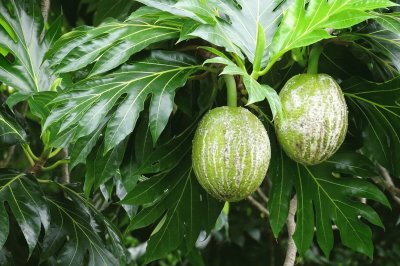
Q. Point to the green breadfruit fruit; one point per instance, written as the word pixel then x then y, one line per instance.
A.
pixel 231 153
pixel 314 120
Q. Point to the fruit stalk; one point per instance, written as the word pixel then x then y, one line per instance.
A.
pixel 231 90
pixel 313 60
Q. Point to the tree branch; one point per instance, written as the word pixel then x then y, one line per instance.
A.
pixel 262 195
pixel 45 8
pixel 7 158
pixel 258 205
pixel 389 185
pixel 65 178
pixel 291 225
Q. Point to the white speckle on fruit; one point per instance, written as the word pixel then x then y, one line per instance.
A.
pixel 314 120
pixel 231 153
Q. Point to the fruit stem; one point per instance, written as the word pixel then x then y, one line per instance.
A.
pixel 231 90
pixel 315 53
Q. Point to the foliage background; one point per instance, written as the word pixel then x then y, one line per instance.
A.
pixel 366 50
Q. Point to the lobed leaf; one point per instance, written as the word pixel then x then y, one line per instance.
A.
pixel 76 220
pixel 378 112
pixel 112 42
pixel 305 22
pixel 183 206
pixel 23 67
pixel 324 200
pixel 79 111
pixel 231 24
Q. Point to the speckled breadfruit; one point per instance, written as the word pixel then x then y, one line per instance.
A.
pixel 231 153
pixel 314 122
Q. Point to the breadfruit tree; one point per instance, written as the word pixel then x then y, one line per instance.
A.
pixel 204 132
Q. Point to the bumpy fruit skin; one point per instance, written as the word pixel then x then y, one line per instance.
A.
pixel 314 121
pixel 231 153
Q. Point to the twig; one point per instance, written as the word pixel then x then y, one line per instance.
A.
pixel 55 165
pixel 65 178
pixel 262 195
pixel 258 205
pixel 389 185
pixel 45 8
pixel 7 157
pixel 291 225
pixel 38 164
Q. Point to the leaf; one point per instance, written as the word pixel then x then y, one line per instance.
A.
pixel 390 21
pixel 25 70
pixel 196 10
pixel 39 104
pixel 282 173
pixel 257 92
pixel 324 200
pixel 83 146
pixel 332 199
pixel 184 206
pixel 6 257
pixel 379 47
pixel 234 25
pixel 111 43
pixel 303 26
pixel 143 141
pixel 102 167
pixel 81 109
pixel 168 155
pixel 161 159
pixel 378 112
pixel 110 8
pixel 21 192
pixel 80 221
pixel 10 131
pixel 352 163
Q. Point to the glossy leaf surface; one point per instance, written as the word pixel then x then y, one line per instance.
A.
pixel 81 109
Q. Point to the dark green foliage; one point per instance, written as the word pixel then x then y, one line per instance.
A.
pixel 97 122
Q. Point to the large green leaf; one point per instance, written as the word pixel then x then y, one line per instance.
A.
pixel 79 232
pixel 377 109
pixel 324 200
pixel 81 109
pixel 332 200
pixel 112 43
pixel 306 21
pixel 230 24
pixel 25 199
pixel 24 68
pixel 182 205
